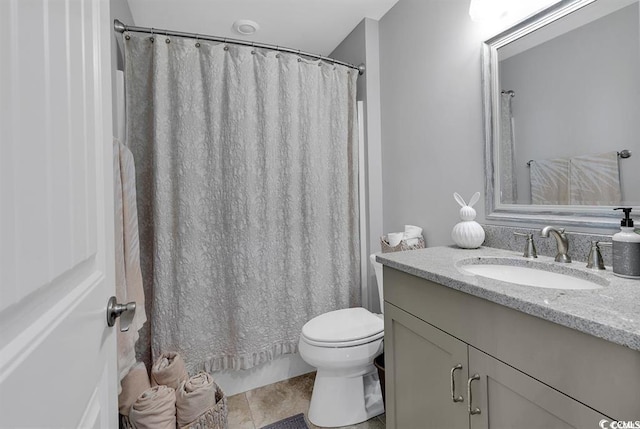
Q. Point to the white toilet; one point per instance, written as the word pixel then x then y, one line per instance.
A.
pixel 342 344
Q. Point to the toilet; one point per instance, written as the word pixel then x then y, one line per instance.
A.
pixel 342 345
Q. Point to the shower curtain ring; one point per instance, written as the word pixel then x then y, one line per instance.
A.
pixel 166 34
pixel 152 39
pixel 197 42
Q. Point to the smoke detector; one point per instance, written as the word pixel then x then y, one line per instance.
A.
pixel 245 27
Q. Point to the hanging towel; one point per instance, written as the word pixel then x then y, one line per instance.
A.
pixel 133 384
pixel 120 117
pixel 595 180
pixel 155 408
pixel 199 400
pixel 550 181
pixel 128 274
pixel 169 370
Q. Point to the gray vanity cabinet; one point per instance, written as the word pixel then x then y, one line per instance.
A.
pixel 421 361
pixel 426 368
pixel 509 398
pixel 531 373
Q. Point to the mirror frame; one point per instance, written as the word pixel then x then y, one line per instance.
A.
pixel 588 217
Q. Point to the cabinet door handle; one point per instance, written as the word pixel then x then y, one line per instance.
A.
pixel 455 398
pixel 472 411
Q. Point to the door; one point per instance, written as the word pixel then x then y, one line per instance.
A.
pixel 419 360
pixel 509 398
pixel 57 356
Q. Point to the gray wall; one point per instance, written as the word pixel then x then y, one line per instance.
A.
pixel 119 10
pixel 362 47
pixel 579 93
pixel 432 126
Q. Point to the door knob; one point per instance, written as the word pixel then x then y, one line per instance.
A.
pixel 125 311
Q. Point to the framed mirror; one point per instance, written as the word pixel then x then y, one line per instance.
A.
pixel 562 116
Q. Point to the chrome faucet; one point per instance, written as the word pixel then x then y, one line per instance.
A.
pixel 561 241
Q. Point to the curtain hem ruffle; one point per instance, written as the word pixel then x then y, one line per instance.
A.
pixel 248 360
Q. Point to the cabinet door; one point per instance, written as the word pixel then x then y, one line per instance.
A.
pixel 419 359
pixel 508 398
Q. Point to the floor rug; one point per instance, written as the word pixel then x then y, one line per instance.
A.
pixel 293 422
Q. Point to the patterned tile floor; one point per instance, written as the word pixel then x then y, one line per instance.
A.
pixel 265 405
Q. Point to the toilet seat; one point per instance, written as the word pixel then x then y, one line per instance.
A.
pixel 343 328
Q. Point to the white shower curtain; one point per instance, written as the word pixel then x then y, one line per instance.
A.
pixel 247 186
pixel 508 179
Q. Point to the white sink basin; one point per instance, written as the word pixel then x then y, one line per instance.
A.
pixel 534 274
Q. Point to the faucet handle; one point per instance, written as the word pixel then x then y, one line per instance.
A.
pixel 594 260
pixel 530 248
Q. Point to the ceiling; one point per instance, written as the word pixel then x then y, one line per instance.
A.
pixel 315 26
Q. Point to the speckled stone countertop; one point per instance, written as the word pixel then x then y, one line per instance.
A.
pixel 611 313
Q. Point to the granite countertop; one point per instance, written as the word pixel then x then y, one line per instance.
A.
pixel 611 312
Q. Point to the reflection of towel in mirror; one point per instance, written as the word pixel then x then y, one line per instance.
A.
pixel 595 180
pixel 549 181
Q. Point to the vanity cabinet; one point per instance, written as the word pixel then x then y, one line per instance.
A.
pixel 530 372
pixel 420 364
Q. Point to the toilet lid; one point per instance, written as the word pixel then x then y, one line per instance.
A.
pixel 349 324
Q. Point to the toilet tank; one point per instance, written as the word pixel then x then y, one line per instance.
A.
pixel 377 266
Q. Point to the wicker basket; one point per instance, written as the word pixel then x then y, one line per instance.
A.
pixel 386 248
pixel 215 418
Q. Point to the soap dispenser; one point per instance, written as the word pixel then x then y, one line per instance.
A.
pixel 626 248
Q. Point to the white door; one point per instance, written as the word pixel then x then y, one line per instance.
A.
pixel 57 355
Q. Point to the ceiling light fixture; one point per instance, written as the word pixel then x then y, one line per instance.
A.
pixel 245 27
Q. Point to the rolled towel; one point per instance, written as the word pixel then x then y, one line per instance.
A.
pixel 169 370
pixel 394 238
pixel 412 234
pixel 195 397
pixel 133 384
pixel 155 408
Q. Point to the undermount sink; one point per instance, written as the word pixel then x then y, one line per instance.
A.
pixel 532 273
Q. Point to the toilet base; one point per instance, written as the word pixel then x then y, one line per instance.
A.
pixel 339 401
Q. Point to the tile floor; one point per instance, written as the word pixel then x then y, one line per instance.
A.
pixel 265 405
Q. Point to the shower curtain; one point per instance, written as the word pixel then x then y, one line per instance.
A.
pixel 248 199
pixel 508 180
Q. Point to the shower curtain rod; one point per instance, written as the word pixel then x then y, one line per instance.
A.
pixel 120 27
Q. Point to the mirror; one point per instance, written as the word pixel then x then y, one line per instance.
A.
pixel 562 115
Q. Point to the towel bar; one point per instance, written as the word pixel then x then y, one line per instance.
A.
pixel 624 154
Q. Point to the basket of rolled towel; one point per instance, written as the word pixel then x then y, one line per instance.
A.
pixel 175 400
pixel 410 239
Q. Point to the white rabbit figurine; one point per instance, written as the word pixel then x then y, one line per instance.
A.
pixel 467 234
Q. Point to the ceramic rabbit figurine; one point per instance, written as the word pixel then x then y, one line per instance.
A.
pixel 467 234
